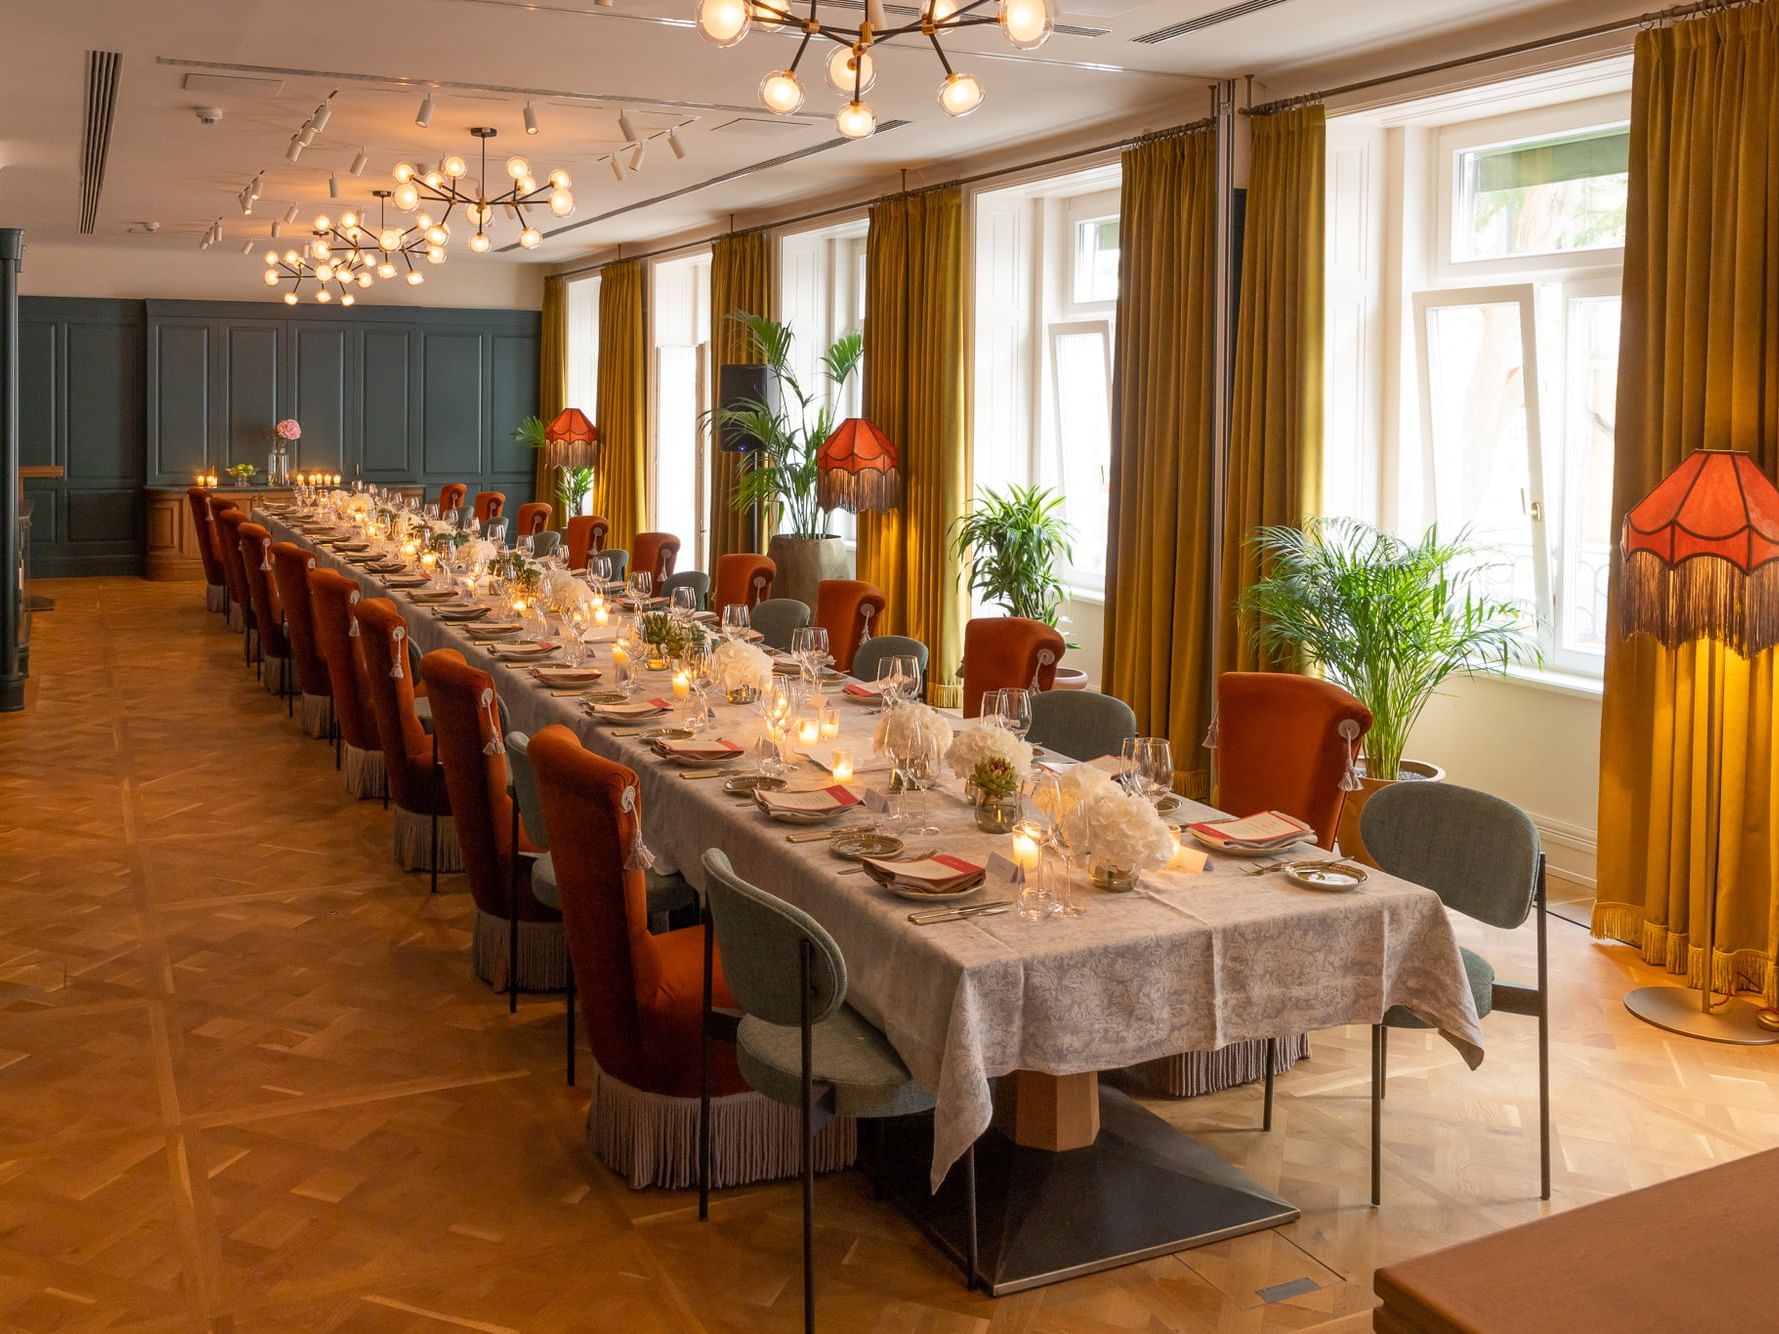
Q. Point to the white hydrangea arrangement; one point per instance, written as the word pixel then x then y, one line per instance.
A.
pixel 990 757
pixel 907 721
pixel 563 591
pixel 736 665
pixel 1124 829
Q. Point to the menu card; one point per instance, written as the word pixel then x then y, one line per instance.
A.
pixel 713 749
pixel 943 874
pixel 818 802
pixel 1268 829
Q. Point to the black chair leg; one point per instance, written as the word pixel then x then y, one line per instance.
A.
pixel 570 1025
pixel 1377 1115
pixel 973 1254
pixel 1543 1041
pixel 704 1071
pixel 1383 1061
pixel 1272 1052
pixel 808 1109
pixel 435 852
pixel 513 921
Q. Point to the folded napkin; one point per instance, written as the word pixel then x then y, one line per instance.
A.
pixel 819 802
pixel 876 766
pixel 943 874
pixel 631 709
pixel 566 675
pixel 461 613
pixel 858 691
pixel 715 749
pixel 1269 829
pixel 531 648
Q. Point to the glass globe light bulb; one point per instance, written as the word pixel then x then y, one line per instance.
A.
pixel 291 258
pixel 271 257
pixel 960 94
pixel 1027 23
pixel 435 254
pixel 364 278
pixel 290 298
pixel 324 296
pixel 346 298
pixel 561 202
pixel 271 277
pixel 723 22
pixel 405 172
pixel 386 270
pixel 323 223
pixel 324 271
pixel 531 238
pixel 434 179
pixel 406 196
pixel 348 219
pixel 518 167
pixel 840 71
pixel 480 243
pixel 940 10
pixel 856 120
pixel 437 234
pixel 560 179
pixel 423 220
pixel 390 238
pixel 415 277
pixel 318 248
pixel 780 93
pixel 453 166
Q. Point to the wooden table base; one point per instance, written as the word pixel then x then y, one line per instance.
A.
pixel 1053 1112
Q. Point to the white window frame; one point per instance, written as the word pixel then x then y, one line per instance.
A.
pixel 696 543
pixel 1091 583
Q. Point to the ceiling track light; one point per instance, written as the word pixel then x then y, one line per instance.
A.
pixel 1026 24
pixel 277 229
pixel 449 184
pixel 295 150
pixel 323 114
pixel 530 119
pixel 617 168
pixel 360 162
pixel 673 142
pixel 423 117
pixel 247 246
pixel 627 128
pixel 290 214
pixel 333 185
pixel 636 156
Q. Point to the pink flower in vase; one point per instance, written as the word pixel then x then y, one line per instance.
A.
pixel 288 429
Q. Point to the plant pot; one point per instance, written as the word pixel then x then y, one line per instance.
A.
pixel 803 562
pixel 1070 678
pixel 1353 846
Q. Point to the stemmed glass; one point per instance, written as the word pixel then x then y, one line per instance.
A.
pixel 735 620
pixel 889 680
pixel 640 586
pixel 1014 710
pixel 907 671
pixel 809 646
pixel 599 569
pixel 1061 811
pixel 1148 766
pixel 683 603
pixel 916 753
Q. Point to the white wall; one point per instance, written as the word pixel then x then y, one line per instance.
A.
pixel 152 267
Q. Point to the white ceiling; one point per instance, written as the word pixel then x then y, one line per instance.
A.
pixel 587 62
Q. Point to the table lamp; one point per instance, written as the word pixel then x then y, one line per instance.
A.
pixel 856 469
pixel 1701 567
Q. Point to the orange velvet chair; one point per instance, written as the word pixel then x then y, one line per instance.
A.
pixel 1007 652
pixel 586 534
pixel 1280 747
pixel 642 997
pixel 227 531
pixel 490 505
pixel 451 498
pixel 532 519
pixel 215 583
pixel 425 835
pixel 743 578
pixel 846 609
pixel 331 595
pixel 518 942
pixel 255 546
pixel 290 575
pixel 654 553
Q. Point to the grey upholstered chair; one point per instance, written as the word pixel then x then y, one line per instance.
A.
pixel 879 647
pixel 542 544
pixel 1481 856
pixel 798 1042
pixel 619 558
pixel 1082 724
pixel 775 618
pixel 696 580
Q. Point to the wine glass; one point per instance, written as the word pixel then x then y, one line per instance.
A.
pixel 1069 833
pixel 599 568
pixel 907 676
pixel 497 531
pixel 683 603
pixel 735 620
pixel 640 586
pixel 920 770
pixel 889 679
pixel 1014 710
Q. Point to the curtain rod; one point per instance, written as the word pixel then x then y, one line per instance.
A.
pixel 1518 48
pixel 1130 141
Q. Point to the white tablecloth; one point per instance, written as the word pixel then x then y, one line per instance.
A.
pixel 1184 963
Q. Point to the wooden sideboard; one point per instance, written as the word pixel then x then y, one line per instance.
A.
pixel 171 542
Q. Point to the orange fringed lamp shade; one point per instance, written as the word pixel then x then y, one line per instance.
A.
pixel 571 439
pixel 857 468
pixel 1702 556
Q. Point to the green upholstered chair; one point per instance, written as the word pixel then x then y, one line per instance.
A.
pixel 1082 724
pixel 776 618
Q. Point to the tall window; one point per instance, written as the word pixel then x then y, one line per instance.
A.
pixel 1509 275
pixel 583 345
pixel 679 462
pixel 821 296
pixel 1046 298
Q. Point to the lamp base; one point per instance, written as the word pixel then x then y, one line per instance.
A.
pixel 1677 1010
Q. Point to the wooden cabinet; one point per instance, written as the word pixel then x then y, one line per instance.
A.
pixel 172 541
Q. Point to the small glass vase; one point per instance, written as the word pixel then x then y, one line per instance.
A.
pixel 741 695
pixel 995 815
pixel 1114 879
pixel 278 464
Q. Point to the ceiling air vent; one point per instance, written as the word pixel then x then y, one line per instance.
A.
pixel 1203 21
pixel 102 69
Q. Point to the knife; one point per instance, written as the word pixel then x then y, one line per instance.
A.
pixel 994 909
pixel 831 833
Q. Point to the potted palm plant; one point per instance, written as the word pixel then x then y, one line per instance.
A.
pixel 1388 620
pixel 573 485
pixel 781 474
pixel 1013 541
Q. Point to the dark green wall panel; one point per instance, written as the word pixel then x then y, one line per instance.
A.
pixel 388 393
pixel 104 429
pixel 321 388
pixel 453 429
pixel 180 410
pixel 250 376
pixel 39 397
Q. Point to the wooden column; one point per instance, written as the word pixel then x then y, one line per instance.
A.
pixel 1053 1112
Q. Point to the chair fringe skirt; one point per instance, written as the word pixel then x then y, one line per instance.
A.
pixel 316 713
pixel 237 618
pixel 363 770
pixel 215 597
pixel 413 842
pixel 651 1139
pixel 276 675
pixel 1191 1073
pixel 543 953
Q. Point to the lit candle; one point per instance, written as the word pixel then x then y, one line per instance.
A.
pixel 519 606
pixel 682 685
pixel 1026 851
pixel 410 549
pixel 840 765
pixel 600 616
pixel 620 655
pixel 809 731
pixel 830 722
pixel 428 561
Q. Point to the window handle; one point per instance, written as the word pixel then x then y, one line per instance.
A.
pixel 1537 511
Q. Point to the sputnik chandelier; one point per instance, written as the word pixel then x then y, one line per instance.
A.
pixel 351 253
pixel 851 70
pixel 449 185
pixel 327 276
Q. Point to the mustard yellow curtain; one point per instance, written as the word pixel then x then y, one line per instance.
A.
pixel 1698 366
pixel 622 471
pixel 1159 606
pixel 552 383
pixel 914 393
pixel 1275 436
pixel 740 279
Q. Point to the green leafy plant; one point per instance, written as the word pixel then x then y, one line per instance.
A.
pixel 1013 541
pixel 783 471
pixel 1387 619
pixel 573 485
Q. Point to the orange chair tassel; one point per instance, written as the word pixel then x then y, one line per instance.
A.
pixel 396 653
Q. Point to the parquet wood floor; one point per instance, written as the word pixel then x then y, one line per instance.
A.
pixel 248 1083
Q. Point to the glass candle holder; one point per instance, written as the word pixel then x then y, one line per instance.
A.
pixel 840 765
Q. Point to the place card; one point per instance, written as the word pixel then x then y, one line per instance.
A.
pixel 1002 870
pixel 876 801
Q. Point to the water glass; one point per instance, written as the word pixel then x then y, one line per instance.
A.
pixel 683 603
pixel 1014 710
pixel 641 586
pixel 1046 887
pixel 735 620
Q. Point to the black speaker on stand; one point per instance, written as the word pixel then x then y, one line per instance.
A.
pixel 739 386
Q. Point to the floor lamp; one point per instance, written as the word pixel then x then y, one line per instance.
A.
pixel 1701 567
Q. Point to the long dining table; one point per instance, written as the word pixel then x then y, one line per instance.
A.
pixel 1010 1022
